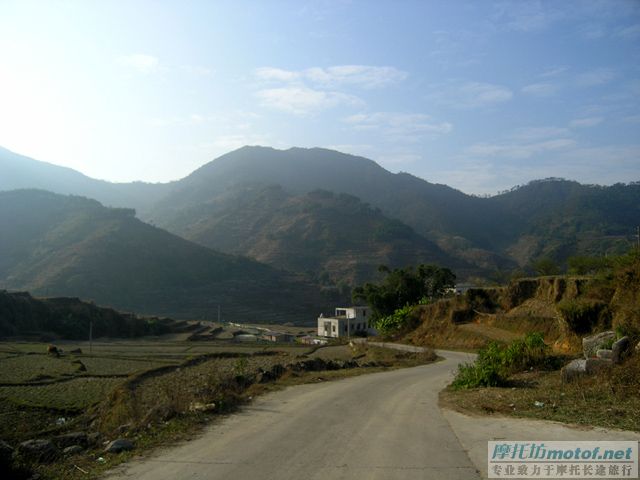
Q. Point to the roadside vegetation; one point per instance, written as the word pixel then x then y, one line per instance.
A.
pixel 497 362
pixel 609 399
pixel 522 378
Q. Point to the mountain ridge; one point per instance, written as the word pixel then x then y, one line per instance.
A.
pixel 554 218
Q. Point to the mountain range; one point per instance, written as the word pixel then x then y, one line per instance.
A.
pixel 330 219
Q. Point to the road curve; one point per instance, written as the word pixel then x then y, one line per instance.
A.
pixel 379 426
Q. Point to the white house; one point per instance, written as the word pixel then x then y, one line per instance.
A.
pixel 346 322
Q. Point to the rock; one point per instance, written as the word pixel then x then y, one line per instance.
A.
pixel 119 445
pixel 124 428
pixel 593 343
pixel 94 439
pixel 69 439
pixel 72 450
pixel 276 372
pixel 620 349
pixel 76 351
pixel 38 450
pixel 202 407
pixel 638 347
pixel 573 370
pixel 595 365
pixel 606 354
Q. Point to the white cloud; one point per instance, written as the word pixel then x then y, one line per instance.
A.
pixel 526 16
pixel 365 76
pixel 399 158
pixel 277 74
pixel 553 72
pixel 469 94
pixel 585 122
pixel 540 89
pixel 362 75
pixel 596 77
pixel 140 62
pixel 518 151
pixel 539 133
pixel 405 127
pixel 631 32
pixel 592 31
pixel 301 100
pixel 235 141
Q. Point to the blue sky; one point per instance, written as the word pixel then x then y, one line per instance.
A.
pixel 480 95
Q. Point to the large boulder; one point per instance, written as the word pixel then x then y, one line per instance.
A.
pixel 119 445
pixel 39 450
pixel 606 354
pixel 574 369
pixel 593 343
pixel 595 365
pixel 620 349
pixel 72 450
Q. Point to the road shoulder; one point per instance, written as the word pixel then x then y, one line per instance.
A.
pixel 474 432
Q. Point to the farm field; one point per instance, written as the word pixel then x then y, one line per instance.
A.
pixel 37 389
pixel 155 389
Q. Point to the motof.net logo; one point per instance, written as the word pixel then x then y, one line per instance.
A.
pixel 562 459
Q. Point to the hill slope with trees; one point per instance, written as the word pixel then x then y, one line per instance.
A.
pixel 56 245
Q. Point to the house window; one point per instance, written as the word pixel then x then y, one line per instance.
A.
pixel 333 328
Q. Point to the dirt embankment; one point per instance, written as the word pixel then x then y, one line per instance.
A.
pixel 502 314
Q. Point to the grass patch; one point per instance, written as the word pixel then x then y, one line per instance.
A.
pixel 609 399
pixel 25 368
pixel 74 395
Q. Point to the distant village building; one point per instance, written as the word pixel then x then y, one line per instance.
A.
pixel 347 321
pixel 309 340
pixel 460 289
pixel 280 337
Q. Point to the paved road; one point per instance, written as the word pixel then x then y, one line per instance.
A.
pixel 379 426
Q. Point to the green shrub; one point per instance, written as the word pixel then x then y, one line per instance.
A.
pixel 472 375
pixel 496 362
pixel 395 322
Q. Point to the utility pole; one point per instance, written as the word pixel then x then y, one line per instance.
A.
pixel 638 237
pixel 90 335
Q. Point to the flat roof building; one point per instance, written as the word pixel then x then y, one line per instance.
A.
pixel 347 321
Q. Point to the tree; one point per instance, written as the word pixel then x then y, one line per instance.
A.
pixel 546 266
pixel 404 286
pixel 583 265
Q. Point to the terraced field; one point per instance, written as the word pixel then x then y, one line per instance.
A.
pixel 37 389
pixel 71 396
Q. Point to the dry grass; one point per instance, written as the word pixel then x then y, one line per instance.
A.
pixel 610 400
